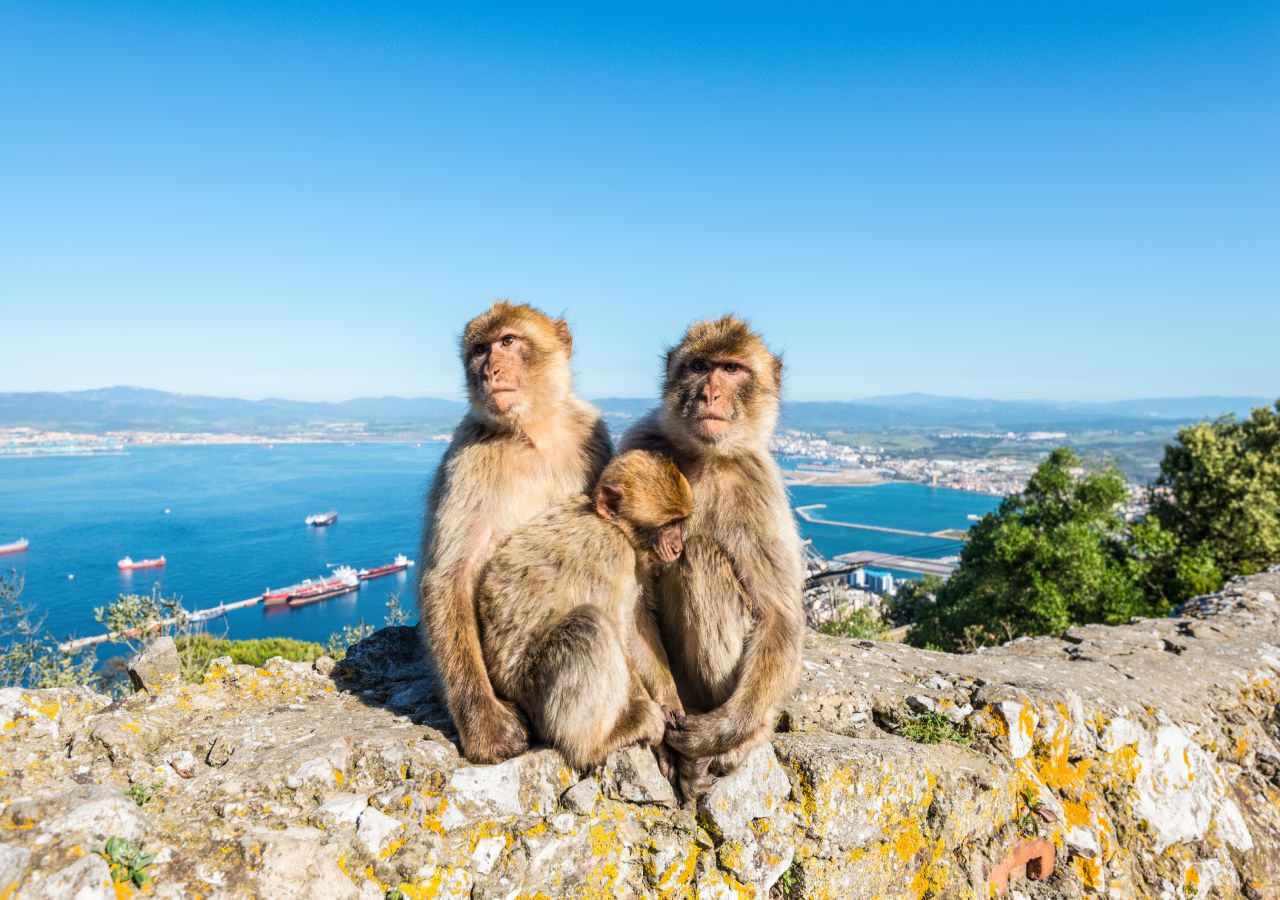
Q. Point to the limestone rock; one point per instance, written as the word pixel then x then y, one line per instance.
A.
pixel 1151 769
pixel 631 774
pixel 13 865
pixel 582 797
pixel 92 814
pixel 376 829
pixel 156 667
pixel 89 878
pixel 755 790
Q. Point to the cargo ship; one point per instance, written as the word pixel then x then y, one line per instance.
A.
pixel 129 563
pixel 401 563
pixel 320 520
pixel 18 546
pixel 343 580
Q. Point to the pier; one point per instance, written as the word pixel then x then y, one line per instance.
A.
pixel 914 564
pixel 946 534
pixel 213 612
pixel 216 612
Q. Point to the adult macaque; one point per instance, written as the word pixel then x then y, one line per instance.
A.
pixel 526 444
pixel 729 609
pixel 564 630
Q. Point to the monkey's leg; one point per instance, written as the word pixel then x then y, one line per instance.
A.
pixel 581 686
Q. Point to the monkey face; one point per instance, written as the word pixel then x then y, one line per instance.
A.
pixel 517 362
pixel 712 394
pixel 498 369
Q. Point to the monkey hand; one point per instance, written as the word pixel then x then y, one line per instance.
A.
pixel 493 732
pixel 673 715
pixel 653 723
pixel 696 735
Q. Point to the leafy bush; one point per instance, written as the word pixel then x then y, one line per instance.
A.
pixel 1218 494
pixel 1055 555
pixel 29 657
pixel 203 649
pixel 859 623
pixel 127 861
pixel 931 728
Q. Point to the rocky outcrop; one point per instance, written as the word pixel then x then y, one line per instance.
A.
pixel 1141 760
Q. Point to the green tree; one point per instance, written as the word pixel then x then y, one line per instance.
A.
pixel 1218 494
pixel 1052 556
pixel 29 657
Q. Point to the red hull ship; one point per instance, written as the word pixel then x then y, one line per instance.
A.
pixel 342 581
pixel 401 563
pixel 18 546
pixel 128 563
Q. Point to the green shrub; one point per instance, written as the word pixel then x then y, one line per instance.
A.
pixel 202 649
pixel 859 623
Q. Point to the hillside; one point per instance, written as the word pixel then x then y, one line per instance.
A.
pixel 129 408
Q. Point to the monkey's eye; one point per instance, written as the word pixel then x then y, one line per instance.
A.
pixel 478 350
pixel 508 340
pixel 731 367
pixel 698 365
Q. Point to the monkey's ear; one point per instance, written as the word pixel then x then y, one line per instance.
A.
pixel 777 369
pixel 566 339
pixel 609 501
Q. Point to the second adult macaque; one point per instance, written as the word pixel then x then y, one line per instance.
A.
pixel 565 634
pixel 730 609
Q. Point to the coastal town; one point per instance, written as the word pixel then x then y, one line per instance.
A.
pixel 810 458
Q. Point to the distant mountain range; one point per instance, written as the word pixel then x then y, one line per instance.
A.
pixel 128 408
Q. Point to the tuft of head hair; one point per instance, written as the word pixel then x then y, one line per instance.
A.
pixel 726 338
pixel 547 334
pixel 643 490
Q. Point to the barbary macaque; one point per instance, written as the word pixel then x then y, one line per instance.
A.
pixel 565 632
pixel 526 444
pixel 730 609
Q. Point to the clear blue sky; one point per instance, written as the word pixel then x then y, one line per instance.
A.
pixel 307 200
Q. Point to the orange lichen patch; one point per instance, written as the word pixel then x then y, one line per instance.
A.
pixel 1026 720
pixel 1125 762
pixel 907 842
pixel 1056 769
pixel 1077 812
pixel 48 709
pixel 390 850
pixel 1191 879
pixel 1089 871
pixel 602 841
pixel 678 874
pixel 932 877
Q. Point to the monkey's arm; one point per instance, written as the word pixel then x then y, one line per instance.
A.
pixel 649 657
pixel 489 729
pixel 770 582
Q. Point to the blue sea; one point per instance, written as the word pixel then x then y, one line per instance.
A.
pixel 229 521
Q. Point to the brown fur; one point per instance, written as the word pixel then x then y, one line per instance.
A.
pixel 729 610
pixel 559 608
pixel 503 467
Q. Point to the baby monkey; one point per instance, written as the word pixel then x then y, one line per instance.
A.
pixel 566 634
